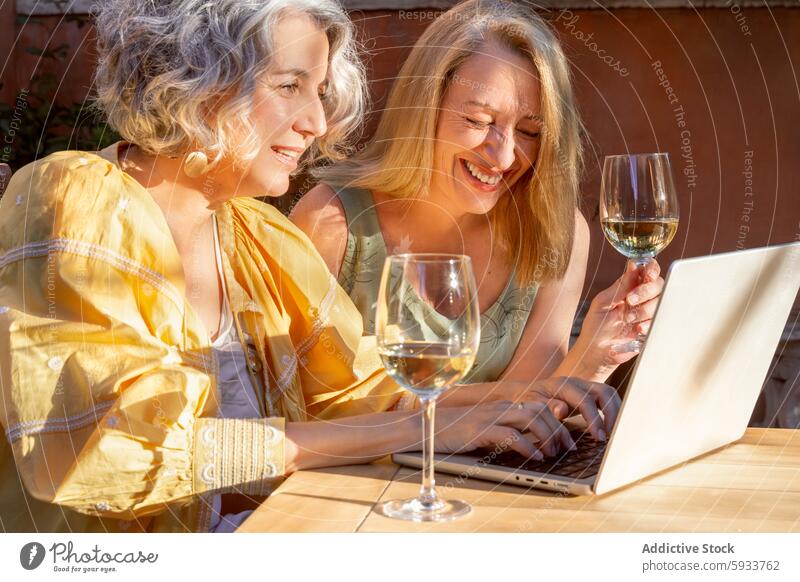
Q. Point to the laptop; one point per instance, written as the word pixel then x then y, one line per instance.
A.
pixel 694 385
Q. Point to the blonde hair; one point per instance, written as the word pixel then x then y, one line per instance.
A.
pixel 163 65
pixel 538 219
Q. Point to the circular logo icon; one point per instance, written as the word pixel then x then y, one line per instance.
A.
pixel 31 555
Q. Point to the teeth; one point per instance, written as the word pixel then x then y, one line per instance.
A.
pixel 490 180
pixel 290 153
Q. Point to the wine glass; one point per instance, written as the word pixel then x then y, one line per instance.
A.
pixel 638 210
pixel 427 325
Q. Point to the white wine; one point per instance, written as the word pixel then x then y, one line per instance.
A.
pixel 639 239
pixel 425 367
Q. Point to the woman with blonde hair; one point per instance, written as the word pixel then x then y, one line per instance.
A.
pixel 478 152
pixel 171 348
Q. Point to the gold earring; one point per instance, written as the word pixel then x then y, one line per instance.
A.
pixel 195 164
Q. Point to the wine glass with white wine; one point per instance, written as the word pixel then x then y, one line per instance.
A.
pixel 427 325
pixel 638 209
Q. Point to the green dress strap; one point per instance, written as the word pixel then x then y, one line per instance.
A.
pixel 502 324
pixel 362 265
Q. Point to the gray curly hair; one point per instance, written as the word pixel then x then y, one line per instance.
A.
pixel 163 65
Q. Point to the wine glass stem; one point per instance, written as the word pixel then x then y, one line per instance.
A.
pixel 641 262
pixel 427 492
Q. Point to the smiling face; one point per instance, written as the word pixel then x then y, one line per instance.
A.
pixel 287 110
pixel 487 136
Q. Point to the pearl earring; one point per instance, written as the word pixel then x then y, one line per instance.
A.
pixel 195 164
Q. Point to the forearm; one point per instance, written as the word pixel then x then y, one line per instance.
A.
pixel 471 394
pixel 350 440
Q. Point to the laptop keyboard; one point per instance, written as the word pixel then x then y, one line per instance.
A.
pixel 578 464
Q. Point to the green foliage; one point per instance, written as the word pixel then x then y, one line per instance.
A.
pixel 36 125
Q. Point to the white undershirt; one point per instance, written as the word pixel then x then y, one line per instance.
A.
pixel 237 398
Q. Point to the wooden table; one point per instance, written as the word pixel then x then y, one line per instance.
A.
pixel 752 485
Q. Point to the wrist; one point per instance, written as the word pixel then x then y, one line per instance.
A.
pixel 292 450
pixel 351 440
pixel 584 362
pixel 470 394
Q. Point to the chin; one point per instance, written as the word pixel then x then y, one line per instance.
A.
pixel 273 185
pixel 479 202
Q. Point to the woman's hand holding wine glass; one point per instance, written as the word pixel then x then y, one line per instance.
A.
pixel 617 318
pixel 639 215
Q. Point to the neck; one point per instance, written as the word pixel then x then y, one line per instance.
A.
pixel 451 231
pixel 187 203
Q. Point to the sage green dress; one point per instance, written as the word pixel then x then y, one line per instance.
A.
pixel 502 324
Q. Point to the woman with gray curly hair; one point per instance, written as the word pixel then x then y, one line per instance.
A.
pixel 170 348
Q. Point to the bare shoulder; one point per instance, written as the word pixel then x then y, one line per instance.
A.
pixel 579 254
pixel 320 214
pixel 581 226
pixel 320 211
pixel 580 243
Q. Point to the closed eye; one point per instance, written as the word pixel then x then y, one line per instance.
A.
pixel 477 123
pixel 529 134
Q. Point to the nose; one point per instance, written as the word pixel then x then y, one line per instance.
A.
pixel 500 149
pixel 311 121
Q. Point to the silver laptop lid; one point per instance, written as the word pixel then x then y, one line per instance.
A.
pixel 697 379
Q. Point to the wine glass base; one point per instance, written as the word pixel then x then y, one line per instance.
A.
pixel 416 510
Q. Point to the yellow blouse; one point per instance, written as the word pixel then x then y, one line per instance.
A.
pixel 107 375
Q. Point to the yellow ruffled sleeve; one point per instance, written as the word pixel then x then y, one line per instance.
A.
pixel 103 411
pixel 316 343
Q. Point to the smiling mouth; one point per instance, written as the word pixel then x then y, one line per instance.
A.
pixel 480 179
pixel 287 156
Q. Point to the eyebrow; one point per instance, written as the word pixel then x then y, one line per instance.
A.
pixel 295 71
pixel 481 104
pixel 484 105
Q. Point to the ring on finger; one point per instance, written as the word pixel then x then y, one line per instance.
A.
pixel 520 405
